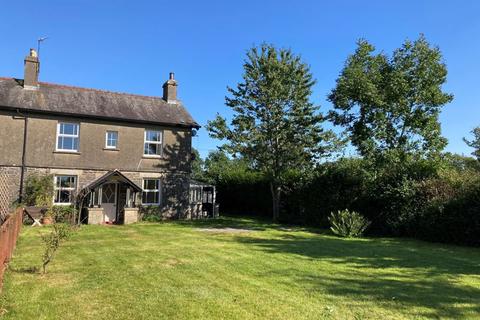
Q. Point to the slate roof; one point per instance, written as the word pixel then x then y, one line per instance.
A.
pixel 92 103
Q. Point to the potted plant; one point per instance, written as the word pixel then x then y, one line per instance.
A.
pixel 48 218
pixel 45 201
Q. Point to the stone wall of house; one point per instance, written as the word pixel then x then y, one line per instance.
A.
pixel 176 196
pixel 174 186
pixel 9 186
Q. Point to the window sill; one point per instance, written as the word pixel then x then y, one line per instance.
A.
pixel 66 152
pixel 111 149
pixel 146 156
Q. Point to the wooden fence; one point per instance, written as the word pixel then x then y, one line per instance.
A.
pixel 9 231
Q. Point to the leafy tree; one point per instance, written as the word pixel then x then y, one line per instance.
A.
pixel 475 142
pixel 460 162
pixel 197 166
pixel 219 167
pixel 390 105
pixel 275 126
pixel 38 190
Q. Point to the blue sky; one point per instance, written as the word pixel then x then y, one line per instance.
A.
pixel 131 46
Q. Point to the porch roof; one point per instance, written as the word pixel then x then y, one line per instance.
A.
pixel 118 177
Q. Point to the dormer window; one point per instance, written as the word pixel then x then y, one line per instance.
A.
pixel 152 143
pixel 67 136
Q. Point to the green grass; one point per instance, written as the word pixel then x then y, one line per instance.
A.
pixel 176 270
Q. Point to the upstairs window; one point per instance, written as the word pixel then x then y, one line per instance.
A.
pixel 64 187
pixel 111 140
pixel 151 192
pixel 67 136
pixel 152 143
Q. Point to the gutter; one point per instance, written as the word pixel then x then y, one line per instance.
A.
pixel 24 152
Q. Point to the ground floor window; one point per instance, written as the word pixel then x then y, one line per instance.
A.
pixel 64 187
pixel 151 192
pixel 195 194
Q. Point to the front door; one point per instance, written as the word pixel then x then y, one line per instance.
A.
pixel 109 201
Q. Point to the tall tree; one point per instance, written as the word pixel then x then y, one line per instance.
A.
pixel 275 126
pixel 392 104
pixel 475 142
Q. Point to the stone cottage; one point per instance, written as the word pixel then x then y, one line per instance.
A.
pixel 116 150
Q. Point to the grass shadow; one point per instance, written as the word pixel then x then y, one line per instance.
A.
pixel 404 272
pixel 31 270
pixel 247 223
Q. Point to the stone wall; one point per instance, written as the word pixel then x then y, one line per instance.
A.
pixel 174 187
pixel 9 187
pixel 131 215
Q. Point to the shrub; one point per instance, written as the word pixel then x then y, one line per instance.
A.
pixel 347 223
pixel 331 187
pixel 52 240
pixel 63 214
pixel 150 213
pixel 38 190
pixel 451 209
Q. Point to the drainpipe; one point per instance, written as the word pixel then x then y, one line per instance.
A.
pixel 24 151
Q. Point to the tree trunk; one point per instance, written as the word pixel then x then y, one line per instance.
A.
pixel 276 192
pixel 79 217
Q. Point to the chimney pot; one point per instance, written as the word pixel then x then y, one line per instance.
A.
pixel 33 53
pixel 31 70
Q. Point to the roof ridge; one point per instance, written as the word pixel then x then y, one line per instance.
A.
pixel 97 90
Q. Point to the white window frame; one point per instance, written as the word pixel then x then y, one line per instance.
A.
pixel 56 188
pixel 160 143
pixel 196 194
pixel 65 135
pixel 106 140
pixel 159 190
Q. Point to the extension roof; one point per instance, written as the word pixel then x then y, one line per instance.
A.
pixel 92 103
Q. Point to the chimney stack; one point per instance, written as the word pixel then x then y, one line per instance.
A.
pixel 32 68
pixel 170 89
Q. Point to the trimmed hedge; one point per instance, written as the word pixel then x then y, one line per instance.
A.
pixel 430 201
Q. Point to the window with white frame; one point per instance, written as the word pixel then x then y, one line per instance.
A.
pixel 151 192
pixel 111 140
pixel 152 143
pixel 67 136
pixel 64 187
pixel 195 194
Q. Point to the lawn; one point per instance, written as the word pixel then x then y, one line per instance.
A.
pixel 191 270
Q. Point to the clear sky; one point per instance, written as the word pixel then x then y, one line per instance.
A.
pixel 130 46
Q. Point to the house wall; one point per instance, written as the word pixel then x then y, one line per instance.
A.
pixel 11 139
pixel 41 143
pixel 93 160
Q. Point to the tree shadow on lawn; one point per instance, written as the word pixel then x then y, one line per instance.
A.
pixel 411 273
pixel 245 223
